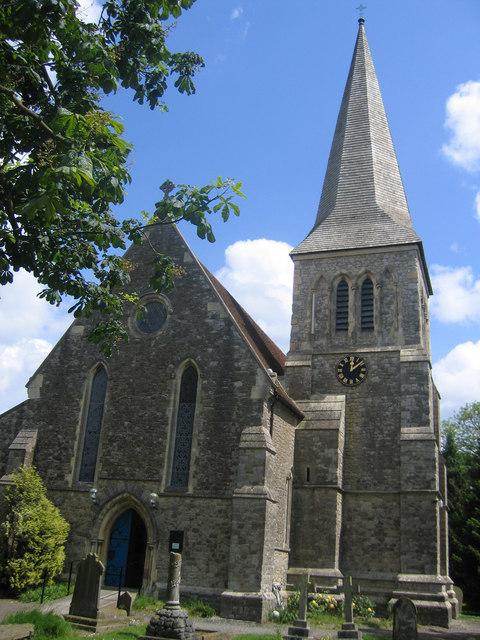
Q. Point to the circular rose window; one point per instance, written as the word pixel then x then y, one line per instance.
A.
pixel 151 317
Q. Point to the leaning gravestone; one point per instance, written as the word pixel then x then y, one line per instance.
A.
pixel 124 601
pixel 86 594
pixel 404 620
pixel 171 621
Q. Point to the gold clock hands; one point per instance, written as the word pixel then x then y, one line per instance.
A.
pixel 356 366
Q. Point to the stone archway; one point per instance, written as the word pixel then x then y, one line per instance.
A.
pixel 141 548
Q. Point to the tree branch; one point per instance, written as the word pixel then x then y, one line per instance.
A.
pixel 31 114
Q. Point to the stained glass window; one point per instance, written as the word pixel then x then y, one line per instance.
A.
pixel 367 321
pixel 341 311
pixel 151 317
pixel 93 425
pixel 184 428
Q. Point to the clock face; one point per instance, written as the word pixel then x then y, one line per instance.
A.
pixel 351 370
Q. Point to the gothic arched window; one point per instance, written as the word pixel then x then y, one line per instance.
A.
pixel 93 425
pixel 366 315
pixel 184 428
pixel 341 307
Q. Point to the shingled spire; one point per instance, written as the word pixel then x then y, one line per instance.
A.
pixel 363 202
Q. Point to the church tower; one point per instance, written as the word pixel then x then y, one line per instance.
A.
pixel 369 496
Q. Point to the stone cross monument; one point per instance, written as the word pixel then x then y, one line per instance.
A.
pixel 349 628
pixel 172 621
pixel 301 629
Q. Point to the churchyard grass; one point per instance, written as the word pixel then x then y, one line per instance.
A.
pixel 49 626
pixel 195 607
pixel 52 592
pixel 46 625
pixel 198 609
pixel 147 603
pixel 257 636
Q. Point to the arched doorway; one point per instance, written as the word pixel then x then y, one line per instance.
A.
pixel 126 551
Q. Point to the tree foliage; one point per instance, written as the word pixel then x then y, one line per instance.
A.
pixel 33 533
pixel 63 160
pixel 461 449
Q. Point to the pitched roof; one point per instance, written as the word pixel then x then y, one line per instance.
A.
pixel 363 202
pixel 271 356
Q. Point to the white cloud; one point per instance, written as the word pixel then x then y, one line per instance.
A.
pixel 477 206
pixel 457 294
pixel 89 10
pixel 259 274
pixel 463 120
pixel 236 13
pixel 23 314
pixel 457 376
pixel 456 248
pixel 17 359
pixel 29 326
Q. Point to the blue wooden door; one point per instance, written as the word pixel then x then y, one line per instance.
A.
pixel 118 550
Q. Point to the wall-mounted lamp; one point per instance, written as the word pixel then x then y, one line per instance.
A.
pixel 93 495
pixel 153 500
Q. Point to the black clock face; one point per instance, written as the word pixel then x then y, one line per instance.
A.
pixel 351 370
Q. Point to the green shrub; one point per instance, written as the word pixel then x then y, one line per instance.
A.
pixel 33 534
pixel 146 603
pixel 325 603
pixel 46 625
pixel 52 592
pixel 289 613
pixel 196 607
pixel 363 607
pixel 320 608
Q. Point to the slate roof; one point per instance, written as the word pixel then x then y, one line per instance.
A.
pixel 363 202
pixel 269 354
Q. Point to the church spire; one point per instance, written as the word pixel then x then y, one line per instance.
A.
pixel 363 202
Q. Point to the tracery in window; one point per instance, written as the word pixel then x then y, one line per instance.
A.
pixel 366 316
pixel 341 307
pixel 184 428
pixel 93 425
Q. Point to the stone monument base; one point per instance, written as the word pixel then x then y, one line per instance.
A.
pixel 246 606
pixel 102 623
pixel 171 624
pixel 350 630
pixel 298 631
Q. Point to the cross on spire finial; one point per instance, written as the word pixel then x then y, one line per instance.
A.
pixel 361 10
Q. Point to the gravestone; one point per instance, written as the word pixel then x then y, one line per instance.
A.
pixel 171 621
pixel 86 593
pixel 349 628
pixel 459 596
pixel 124 601
pixel 404 620
pixel 300 628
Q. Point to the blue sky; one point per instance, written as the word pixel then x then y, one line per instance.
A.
pixel 264 113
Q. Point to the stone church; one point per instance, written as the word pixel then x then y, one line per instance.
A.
pixel 201 436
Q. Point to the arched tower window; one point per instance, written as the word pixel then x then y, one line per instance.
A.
pixel 366 318
pixel 93 425
pixel 184 428
pixel 341 308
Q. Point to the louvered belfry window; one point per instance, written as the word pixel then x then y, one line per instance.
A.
pixel 93 425
pixel 184 429
pixel 341 310
pixel 367 321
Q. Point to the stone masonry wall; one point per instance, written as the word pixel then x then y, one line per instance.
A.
pixel 389 423
pixel 139 419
